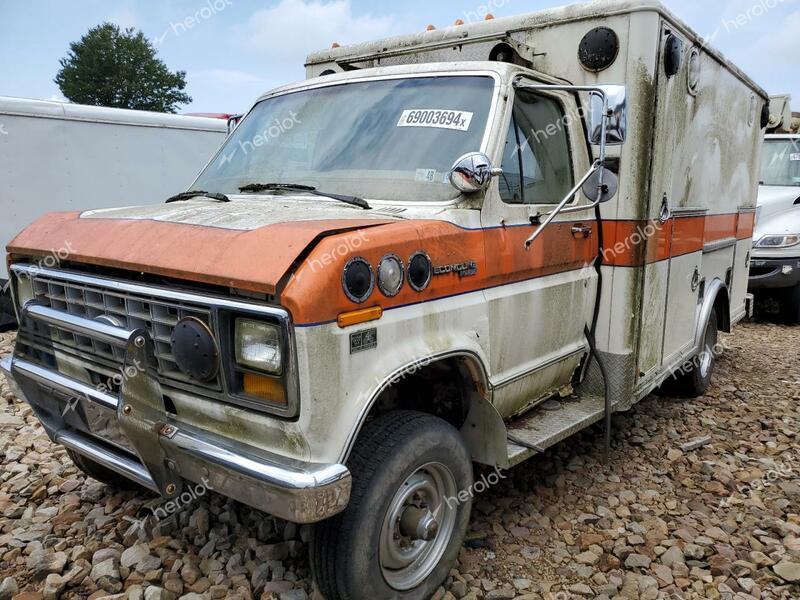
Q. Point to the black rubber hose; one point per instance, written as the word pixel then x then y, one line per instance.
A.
pixel 590 333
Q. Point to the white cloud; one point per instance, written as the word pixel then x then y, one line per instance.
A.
pixel 298 27
pixel 226 77
pixel 782 44
pixel 125 17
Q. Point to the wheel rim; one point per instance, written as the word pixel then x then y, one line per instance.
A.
pixel 425 506
pixel 709 344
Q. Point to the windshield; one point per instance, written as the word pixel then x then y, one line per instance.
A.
pixel 780 163
pixel 387 139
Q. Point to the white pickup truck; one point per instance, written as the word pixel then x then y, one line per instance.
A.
pixel 775 267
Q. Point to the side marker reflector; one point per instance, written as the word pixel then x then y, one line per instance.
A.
pixel 361 315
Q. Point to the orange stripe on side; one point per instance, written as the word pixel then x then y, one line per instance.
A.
pixel 314 294
pixel 720 227
pixel 257 260
pixel 745 225
pixel 688 235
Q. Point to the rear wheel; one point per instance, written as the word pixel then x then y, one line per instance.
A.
pixel 404 525
pixel 790 305
pixel 102 474
pixel 694 377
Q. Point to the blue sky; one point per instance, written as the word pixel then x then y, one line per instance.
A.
pixel 237 49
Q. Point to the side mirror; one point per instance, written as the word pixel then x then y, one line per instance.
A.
pixel 617 124
pixel 233 121
pixel 601 192
pixel 472 173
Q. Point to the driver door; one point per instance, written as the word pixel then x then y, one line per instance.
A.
pixel 540 299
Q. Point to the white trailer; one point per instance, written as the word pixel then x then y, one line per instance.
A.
pixel 59 156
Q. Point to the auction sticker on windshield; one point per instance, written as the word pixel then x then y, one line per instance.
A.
pixel 443 119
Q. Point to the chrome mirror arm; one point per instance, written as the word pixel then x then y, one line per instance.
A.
pixel 558 209
pixel 597 165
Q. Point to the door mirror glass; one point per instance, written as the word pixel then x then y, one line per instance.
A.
pixel 472 173
pixel 617 124
pixel 601 192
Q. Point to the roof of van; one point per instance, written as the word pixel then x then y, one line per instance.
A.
pixel 432 68
pixel 26 107
pixel 595 9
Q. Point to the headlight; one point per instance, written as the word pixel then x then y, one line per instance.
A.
pixel 390 275
pixel 258 346
pixel 779 241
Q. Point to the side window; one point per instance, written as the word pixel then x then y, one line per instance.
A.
pixel 537 165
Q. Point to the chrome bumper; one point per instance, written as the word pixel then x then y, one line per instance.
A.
pixel 165 453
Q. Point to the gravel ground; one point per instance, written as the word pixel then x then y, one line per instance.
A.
pixel 671 515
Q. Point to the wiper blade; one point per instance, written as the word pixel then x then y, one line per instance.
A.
pixel 309 189
pixel 196 194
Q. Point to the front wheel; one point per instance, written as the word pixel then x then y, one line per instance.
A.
pixel 408 512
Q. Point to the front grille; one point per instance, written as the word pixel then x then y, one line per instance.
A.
pixel 129 311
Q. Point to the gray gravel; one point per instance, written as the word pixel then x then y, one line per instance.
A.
pixel 672 515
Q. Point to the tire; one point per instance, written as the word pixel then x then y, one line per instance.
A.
pixel 102 474
pixel 790 305
pixel 694 377
pixel 353 555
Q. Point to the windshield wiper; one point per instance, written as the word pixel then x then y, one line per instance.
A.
pixel 309 189
pixel 196 194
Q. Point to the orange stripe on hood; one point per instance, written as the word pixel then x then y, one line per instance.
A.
pixel 253 260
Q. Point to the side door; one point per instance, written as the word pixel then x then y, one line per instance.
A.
pixel 673 282
pixel 539 299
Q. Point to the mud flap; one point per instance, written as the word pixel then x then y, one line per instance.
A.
pixel 142 414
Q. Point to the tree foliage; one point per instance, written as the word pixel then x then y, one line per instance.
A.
pixel 119 68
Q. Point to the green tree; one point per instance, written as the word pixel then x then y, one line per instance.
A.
pixel 119 68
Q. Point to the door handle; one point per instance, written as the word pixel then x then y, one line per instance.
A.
pixel 581 232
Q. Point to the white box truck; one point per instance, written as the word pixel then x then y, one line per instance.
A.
pixel 62 156
pixel 393 265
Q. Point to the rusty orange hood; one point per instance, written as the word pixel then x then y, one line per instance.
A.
pixel 246 244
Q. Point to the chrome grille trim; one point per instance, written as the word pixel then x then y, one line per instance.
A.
pixel 129 311
pixel 208 302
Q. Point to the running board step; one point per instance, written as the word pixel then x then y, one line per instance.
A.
pixel 552 422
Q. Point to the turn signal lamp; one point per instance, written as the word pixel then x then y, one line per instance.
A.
pixel 266 388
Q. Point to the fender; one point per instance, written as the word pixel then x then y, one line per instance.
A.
pixel 712 292
pixel 484 430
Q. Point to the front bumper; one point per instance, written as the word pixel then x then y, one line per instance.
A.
pixel 774 273
pixel 132 433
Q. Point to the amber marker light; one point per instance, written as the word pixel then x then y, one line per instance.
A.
pixel 361 315
pixel 266 388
